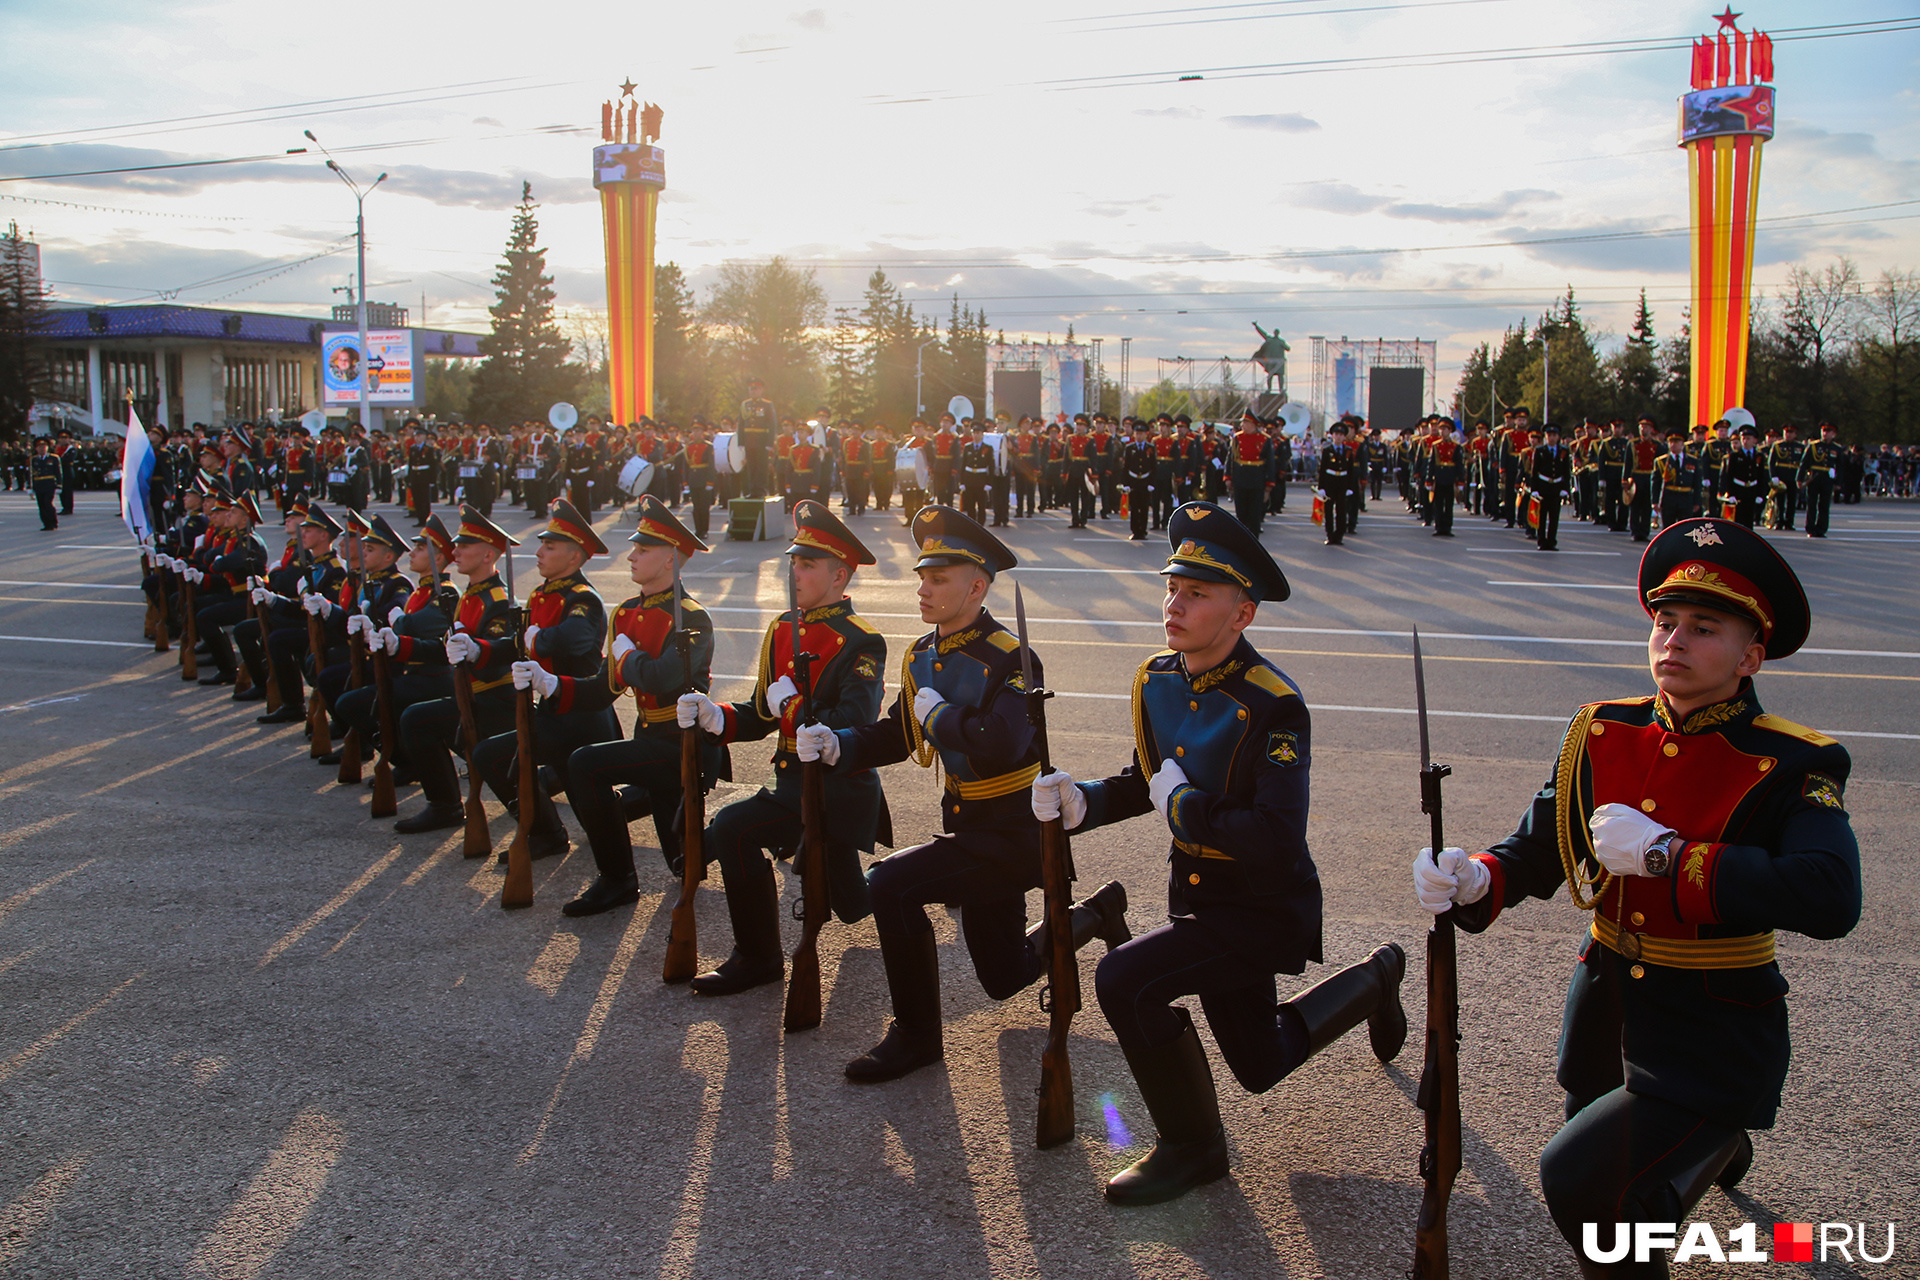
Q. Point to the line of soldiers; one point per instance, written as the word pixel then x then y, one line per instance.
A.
pixel 1687 864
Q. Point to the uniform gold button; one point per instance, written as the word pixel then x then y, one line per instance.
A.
pixel 1765 765
pixel 783 764
pixel 1180 751
pixel 1596 729
pixel 1638 919
pixel 936 666
pixel 1242 713
pixel 1672 749
pixel 1193 706
pixel 956 808
pixel 1638 971
pixel 1647 805
pixel 1194 878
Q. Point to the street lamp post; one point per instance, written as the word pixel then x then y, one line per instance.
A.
pixel 360 283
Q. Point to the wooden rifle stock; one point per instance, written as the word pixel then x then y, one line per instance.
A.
pixel 319 740
pixel 189 632
pixel 683 938
pixel 479 839
pixel 518 890
pixel 1055 1121
pixel 384 804
pixel 803 985
pixel 1439 1096
pixel 157 613
pixel 273 686
pixel 350 750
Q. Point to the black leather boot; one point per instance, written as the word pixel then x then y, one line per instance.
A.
pixel 603 895
pixel 914 1039
pixel 1102 915
pixel 1369 990
pixel 435 817
pixel 1191 1149
pixel 753 905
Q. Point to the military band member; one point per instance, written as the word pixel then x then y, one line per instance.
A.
pixel 961 701
pixel 287 645
pixel 482 635
pixel 759 423
pixel 977 468
pixel 880 450
pixel 1336 481
pixel 46 473
pixel 1137 461
pixel 1692 825
pixel 1615 458
pixel 1676 481
pixel 1222 749
pixel 1252 466
pixel 1820 464
pixel 566 634
pixel 1642 453
pixel 943 454
pixel 1443 473
pixel 1743 477
pixel 848 677
pixel 1783 470
pixel 644 658
pixel 702 476
pixel 1550 477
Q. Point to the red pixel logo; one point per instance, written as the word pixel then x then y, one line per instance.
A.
pixel 1793 1242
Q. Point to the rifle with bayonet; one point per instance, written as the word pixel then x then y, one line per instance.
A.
pixel 1061 997
pixel 272 686
pixel 319 740
pixel 189 630
pixel 384 803
pixel 350 750
pixel 1439 1096
pixel 518 890
pixel 803 985
pixel 683 940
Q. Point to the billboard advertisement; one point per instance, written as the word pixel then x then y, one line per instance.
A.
pixel 1725 111
pixel 388 363
pixel 629 162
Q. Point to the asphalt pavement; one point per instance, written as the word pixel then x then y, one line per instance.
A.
pixel 250 1032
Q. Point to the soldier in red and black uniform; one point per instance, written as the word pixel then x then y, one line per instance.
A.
pixel 482 634
pixel 1692 825
pixel 702 476
pixel 412 631
pixel 1645 451
pixel 287 613
pixel 943 458
pixel 647 660
pixel 1252 466
pixel 1443 472
pixel 566 633
pixel 848 676
pixel 856 472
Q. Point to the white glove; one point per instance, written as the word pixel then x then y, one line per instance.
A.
pixel 622 646
pixel 389 639
pixel 698 708
pixel 531 675
pixel 1162 784
pixel 817 742
pixel 261 595
pixel 925 702
pixel 777 694
pixel 358 622
pixel 461 647
pixel 196 577
pixel 395 614
pixel 1055 796
pixel 533 633
pixel 1622 835
pixel 1453 877
pixel 312 603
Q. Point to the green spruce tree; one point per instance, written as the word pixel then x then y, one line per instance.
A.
pixel 23 307
pixel 525 366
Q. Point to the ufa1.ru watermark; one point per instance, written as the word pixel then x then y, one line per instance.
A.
pixel 1792 1242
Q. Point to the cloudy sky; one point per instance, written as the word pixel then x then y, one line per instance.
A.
pixel 1338 167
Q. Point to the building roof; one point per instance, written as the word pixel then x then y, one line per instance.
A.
pixel 170 320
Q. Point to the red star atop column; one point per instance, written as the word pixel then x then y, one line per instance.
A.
pixel 626 89
pixel 1728 18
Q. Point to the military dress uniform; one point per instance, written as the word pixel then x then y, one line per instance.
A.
pixel 656 670
pixel 1783 469
pixel 221 597
pixel 1137 461
pixel 848 680
pixel 1820 462
pixel 1231 748
pixel 1336 481
pixel 287 632
pixel 962 701
pixel 430 731
pixel 1743 479
pixel 1252 467
pixel 1643 453
pixel 1676 484
pixel 1443 474
pixel 1549 475
pixel 46 472
pixel 1674 1041
pixel 572 634
pixel 413 632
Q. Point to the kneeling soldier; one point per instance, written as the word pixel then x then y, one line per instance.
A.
pixel 962 700
pixel 413 634
pixel 1221 752
pixel 1692 825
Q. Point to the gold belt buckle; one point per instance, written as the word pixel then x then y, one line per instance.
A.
pixel 1630 946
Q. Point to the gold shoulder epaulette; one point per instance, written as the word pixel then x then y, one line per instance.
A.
pixel 1004 640
pixel 1267 678
pixel 863 624
pixel 1767 720
pixel 1625 702
pixel 691 606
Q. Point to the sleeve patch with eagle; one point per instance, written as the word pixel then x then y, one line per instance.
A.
pixel 1283 748
pixel 866 669
pixel 1822 790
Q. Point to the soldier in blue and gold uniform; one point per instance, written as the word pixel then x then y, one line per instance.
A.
pixel 1676 481
pixel 644 658
pixel 1820 464
pixel 849 677
pixel 412 632
pixel 220 592
pixel 482 634
pixel 1222 747
pixel 1692 824
pixel 287 615
pixel 566 633
pixel 963 702
pixel 374 588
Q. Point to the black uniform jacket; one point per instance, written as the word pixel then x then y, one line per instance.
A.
pixel 1677 972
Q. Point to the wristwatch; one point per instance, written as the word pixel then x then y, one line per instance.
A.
pixel 1659 858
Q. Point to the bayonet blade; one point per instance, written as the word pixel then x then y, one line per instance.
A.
pixel 1420 699
pixel 1020 629
pixel 677 626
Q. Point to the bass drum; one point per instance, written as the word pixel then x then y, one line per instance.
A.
pixel 910 467
pixel 723 453
pixel 635 476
